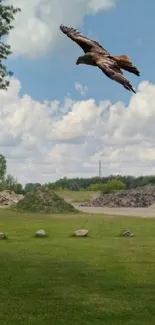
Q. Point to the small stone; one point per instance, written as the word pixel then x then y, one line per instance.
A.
pixel 40 233
pixel 81 232
pixel 126 233
pixel 2 235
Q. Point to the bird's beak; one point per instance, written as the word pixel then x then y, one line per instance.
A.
pixel 77 62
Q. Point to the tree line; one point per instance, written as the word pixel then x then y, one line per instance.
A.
pixel 104 184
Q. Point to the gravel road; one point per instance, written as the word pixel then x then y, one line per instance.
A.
pixel 130 212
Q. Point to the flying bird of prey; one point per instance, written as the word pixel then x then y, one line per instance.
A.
pixel 97 56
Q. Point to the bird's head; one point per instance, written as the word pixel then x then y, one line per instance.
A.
pixel 80 60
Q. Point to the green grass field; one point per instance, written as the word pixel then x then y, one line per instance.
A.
pixel 102 279
pixel 77 196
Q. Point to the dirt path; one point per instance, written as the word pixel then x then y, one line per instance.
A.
pixel 130 212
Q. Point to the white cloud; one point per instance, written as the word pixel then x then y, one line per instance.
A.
pixel 82 89
pixel 46 141
pixel 37 26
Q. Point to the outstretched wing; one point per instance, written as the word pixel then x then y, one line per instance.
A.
pixel 113 71
pixel 85 43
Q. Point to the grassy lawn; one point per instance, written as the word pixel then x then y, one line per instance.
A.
pixel 77 196
pixel 102 279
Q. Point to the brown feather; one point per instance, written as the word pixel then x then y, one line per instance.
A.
pixel 84 42
pixel 125 64
pixel 112 70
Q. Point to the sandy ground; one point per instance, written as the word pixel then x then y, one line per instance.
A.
pixel 129 212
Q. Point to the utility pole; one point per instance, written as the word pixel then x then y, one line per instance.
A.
pixel 99 168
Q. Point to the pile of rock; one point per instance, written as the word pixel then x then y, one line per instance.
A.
pixel 44 200
pixel 9 198
pixel 138 197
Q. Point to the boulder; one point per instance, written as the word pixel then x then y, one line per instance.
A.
pixel 40 233
pixel 2 235
pixel 126 233
pixel 81 232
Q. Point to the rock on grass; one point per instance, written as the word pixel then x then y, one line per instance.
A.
pixel 81 233
pixel 41 233
pixel 3 235
pixel 126 233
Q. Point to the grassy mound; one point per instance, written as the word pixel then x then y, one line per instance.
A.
pixel 43 200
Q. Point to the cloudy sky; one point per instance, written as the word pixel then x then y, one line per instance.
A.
pixel 59 119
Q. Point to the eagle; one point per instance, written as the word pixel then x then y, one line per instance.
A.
pixel 97 56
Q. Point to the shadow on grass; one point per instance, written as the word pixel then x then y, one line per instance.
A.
pixel 4 238
pixel 75 236
pixel 40 237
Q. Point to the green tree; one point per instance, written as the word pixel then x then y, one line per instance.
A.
pixel 112 185
pixel 7 15
pixel 3 167
pixel 10 182
pixel 94 187
pixel 51 186
pixel 18 189
pixel 29 187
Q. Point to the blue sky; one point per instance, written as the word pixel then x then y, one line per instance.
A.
pixel 126 29
pixel 69 134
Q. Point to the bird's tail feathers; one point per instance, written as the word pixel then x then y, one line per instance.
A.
pixel 124 63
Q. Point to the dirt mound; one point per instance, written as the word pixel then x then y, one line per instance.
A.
pixel 43 200
pixel 138 198
pixel 9 198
